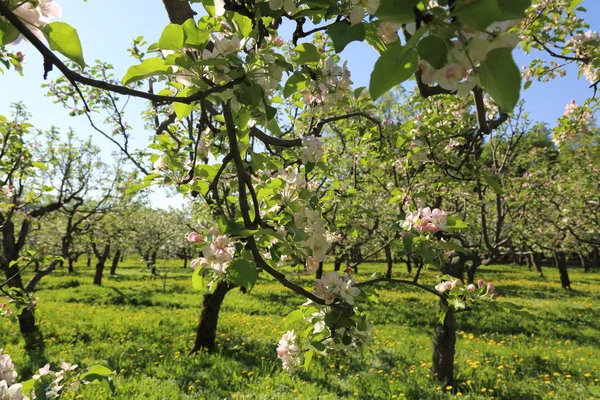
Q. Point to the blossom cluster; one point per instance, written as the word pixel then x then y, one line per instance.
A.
pixel 425 220
pixel 330 87
pixel 36 15
pixel 312 149
pixel 288 351
pixel 458 74
pixel 316 245
pixel 333 286
pixel 218 254
pixel 54 382
pixel 481 290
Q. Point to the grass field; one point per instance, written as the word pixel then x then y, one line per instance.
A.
pixel 144 331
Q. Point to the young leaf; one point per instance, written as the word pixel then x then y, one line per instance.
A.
pixel 394 66
pixel 172 38
pixel 307 53
pixel 397 11
pixel 149 67
pixel 341 34
pixel 501 78
pixel 433 49
pixel 243 273
pixel 63 38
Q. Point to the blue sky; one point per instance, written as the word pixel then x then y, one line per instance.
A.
pixel 106 28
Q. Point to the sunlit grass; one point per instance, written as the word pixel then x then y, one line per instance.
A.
pixel 144 328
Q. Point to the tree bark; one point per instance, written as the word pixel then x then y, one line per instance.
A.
pixel 337 263
pixel 444 349
pixel 389 261
pixel 179 11
pixel 408 264
pixel 319 273
pixel 101 257
pixel 584 263
pixel 30 286
pixel 537 264
pixel 561 262
pixel 115 262
pixel 206 332
pixel 89 260
pixel 70 264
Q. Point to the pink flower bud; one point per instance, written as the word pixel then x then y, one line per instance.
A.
pixel 490 288
pixel 481 282
pixel 194 237
pixel 472 287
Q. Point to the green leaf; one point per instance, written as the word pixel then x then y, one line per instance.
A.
pixel 308 358
pixel 318 346
pixel 394 66
pixel 197 281
pixel 307 53
pixel 573 5
pixel 373 38
pixel 342 33
pixel 98 374
pixel 149 67
pixel 182 110
pixel 493 181
pixel 455 223
pixel 478 14
pixel 8 33
pixel 501 78
pixel 294 84
pixel 397 11
pixel 514 9
pixel 39 165
pixel 63 38
pixel 243 273
pixel 433 49
pixel 172 38
pixel 193 35
pixel 294 316
pixel 243 24
pixel 452 246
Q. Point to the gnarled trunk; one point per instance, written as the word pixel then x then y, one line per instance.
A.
pixel 389 261
pixel 408 264
pixel 584 262
pixel 30 286
pixel 337 263
pixel 561 262
pixel 537 264
pixel 115 262
pixel 319 273
pixel 206 332
pixel 444 349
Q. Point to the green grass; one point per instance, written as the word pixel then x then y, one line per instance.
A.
pixel 145 333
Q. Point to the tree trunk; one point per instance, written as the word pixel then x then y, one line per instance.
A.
pixel 153 263
pixel 337 263
pixel 444 348
pixel 389 261
pixel 70 263
pixel 115 262
pixel 209 317
pixel 99 272
pixel 89 260
pixel 584 263
pixel 559 258
pixel 408 264
pixel 537 264
pixel 319 272
pixel 185 258
pixel 101 257
pixel 30 286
